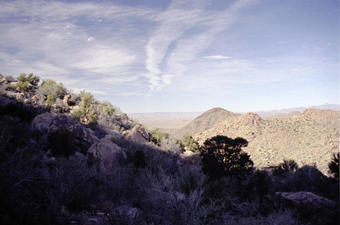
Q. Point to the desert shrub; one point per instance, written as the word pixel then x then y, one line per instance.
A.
pixel 86 112
pixel 109 116
pixel 76 114
pixel 108 108
pixel 189 143
pixel 309 178
pixel 52 90
pixel 156 136
pixel 334 167
pixel 222 156
pixel 170 145
pixel 25 81
pixel 49 100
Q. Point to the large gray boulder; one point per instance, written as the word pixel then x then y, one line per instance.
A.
pixel 311 207
pixel 137 134
pixel 305 198
pixel 105 155
pixel 48 123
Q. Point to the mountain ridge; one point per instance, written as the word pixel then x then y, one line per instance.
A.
pixel 307 137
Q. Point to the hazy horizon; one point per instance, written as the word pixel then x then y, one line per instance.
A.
pixel 326 105
pixel 179 55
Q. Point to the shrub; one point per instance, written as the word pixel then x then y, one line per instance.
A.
pixel 334 167
pixel 86 112
pixel 25 81
pixel 49 100
pixel 222 156
pixel 156 136
pixel 52 90
pixel 189 143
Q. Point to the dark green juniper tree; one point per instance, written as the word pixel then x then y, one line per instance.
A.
pixel 223 156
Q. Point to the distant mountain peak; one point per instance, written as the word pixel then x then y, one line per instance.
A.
pixel 206 121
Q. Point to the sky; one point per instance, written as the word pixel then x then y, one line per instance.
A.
pixel 179 55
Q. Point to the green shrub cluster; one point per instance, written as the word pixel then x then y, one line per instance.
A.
pixel 189 143
pixel 156 136
pixel 27 80
pixel 52 91
pixel 86 112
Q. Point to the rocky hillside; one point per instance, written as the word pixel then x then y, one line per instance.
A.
pixel 70 159
pixel 204 122
pixel 308 137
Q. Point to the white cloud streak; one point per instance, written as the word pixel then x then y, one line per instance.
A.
pixel 163 62
pixel 50 39
pixel 217 57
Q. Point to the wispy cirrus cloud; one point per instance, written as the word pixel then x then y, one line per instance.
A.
pixel 170 52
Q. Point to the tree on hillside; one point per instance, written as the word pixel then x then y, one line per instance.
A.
pixel 287 166
pixel 222 156
pixel 333 166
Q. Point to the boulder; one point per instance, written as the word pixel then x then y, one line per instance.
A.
pixel 105 155
pixel 49 123
pixel 10 79
pixel 69 100
pixel 311 207
pixel 36 99
pixel 137 134
pixel 305 198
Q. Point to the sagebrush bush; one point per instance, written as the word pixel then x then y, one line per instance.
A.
pixel 86 113
pixel 27 80
pixel 156 136
pixel 52 90
pixel 189 143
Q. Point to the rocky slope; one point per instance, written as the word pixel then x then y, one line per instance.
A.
pixel 69 159
pixel 308 137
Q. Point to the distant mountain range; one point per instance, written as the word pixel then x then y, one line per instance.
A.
pixel 306 135
pixel 292 111
pixel 175 120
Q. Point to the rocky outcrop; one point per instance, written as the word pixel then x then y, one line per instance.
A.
pixel 310 206
pixel 138 134
pixel 48 123
pixel 306 199
pixel 105 155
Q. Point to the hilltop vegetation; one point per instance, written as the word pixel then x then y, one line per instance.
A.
pixel 71 159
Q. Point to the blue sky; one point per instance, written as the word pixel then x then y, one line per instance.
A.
pixel 179 55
